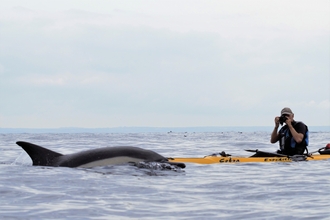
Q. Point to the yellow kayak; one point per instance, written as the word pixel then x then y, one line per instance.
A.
pixel 232 159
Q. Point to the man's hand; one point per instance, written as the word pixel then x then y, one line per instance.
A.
pixel 277 121
pixel 289 121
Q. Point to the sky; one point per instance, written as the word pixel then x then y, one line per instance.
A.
pixel 102 64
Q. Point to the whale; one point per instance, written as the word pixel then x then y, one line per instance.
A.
pixel 92 158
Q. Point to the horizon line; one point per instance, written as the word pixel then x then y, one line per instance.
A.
pixel 149 129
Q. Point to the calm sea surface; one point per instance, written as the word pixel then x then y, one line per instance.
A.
pixel 298 190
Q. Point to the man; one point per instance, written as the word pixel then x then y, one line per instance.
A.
pixel 293 137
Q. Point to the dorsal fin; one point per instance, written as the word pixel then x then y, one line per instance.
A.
pixel 40 156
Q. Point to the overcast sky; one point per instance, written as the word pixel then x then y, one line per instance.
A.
pixel 84 63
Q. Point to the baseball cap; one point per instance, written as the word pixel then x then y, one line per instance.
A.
pixel 287 111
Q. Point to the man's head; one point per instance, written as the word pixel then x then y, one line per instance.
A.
pixel 286 114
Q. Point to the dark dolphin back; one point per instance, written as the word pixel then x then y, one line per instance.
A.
pixel 88 156
pixel 40 156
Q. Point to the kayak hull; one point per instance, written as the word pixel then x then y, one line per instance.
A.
pixel 231 159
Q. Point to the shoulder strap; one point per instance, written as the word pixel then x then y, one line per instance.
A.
pixel 283 129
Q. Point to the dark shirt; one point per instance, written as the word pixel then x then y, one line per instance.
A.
pixel 288 145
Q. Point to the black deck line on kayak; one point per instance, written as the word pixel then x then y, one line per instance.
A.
pixel 269 154
pixel 259 153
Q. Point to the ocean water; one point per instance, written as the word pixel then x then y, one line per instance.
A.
pixel 297 190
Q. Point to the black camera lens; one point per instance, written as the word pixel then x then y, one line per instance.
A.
pixel 282 119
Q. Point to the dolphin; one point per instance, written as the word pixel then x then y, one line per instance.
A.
pixel 92 158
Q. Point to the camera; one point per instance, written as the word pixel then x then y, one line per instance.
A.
pixel 282 119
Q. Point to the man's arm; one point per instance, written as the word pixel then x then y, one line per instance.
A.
pixel 275 136
pixel 297 136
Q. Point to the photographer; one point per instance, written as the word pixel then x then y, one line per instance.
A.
pixel 292 137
